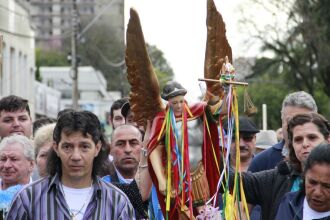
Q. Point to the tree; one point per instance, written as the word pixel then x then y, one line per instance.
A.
pixel 163 70
pixel 49 58
pixel 102 48
pixel 300 50
pixel 107 55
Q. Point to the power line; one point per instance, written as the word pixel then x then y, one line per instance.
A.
pixel 119 64
pixel 95 18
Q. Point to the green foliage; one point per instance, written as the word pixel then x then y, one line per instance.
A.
pixel 300 61
pixel 163 70
pixel 101 48
pixel 269 91
pixel 49 58
pixel 104 50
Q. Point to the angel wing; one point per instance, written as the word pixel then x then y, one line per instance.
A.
pixel 144 97
pixel 217 48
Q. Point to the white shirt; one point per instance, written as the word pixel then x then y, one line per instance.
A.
pixel 122 179
pixel 77 200
pixel 309 213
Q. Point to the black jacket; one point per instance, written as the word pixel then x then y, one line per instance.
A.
pixel 266 188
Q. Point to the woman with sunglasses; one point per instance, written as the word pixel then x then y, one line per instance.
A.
pixel 266 188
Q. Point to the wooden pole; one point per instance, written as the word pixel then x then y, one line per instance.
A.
pixel 226 82
pixel 74 64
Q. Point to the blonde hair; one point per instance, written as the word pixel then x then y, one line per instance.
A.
pixel 42 136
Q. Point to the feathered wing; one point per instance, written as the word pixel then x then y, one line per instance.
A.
pixel 144 98
pixel 217 48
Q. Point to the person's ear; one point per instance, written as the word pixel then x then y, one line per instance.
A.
pixel 328 139
pixel 55 148
pixel 110 120
pixel 31 165
pixel 98 148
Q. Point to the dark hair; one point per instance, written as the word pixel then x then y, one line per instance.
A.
pixel 319 155
pixel 86 123
pixel 321 123
pixel 63 111
pixel 14 103
pixel 117 105
pixel 41 122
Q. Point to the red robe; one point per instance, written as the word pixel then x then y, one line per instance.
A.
pixel 212 173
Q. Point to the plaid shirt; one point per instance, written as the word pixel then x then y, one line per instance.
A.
pixel 44 199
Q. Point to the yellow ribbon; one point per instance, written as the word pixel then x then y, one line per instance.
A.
pixel 188 110
pixel 163 125
pixel 238 164
pixel 168 146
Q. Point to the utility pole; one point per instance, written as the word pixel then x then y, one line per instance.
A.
pixel 1 42
pixel 74 64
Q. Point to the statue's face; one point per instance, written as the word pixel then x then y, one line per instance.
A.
pixel 177 104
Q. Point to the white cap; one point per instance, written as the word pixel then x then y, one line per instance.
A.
pixel 266 139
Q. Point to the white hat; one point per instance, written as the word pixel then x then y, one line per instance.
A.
pixel 266 139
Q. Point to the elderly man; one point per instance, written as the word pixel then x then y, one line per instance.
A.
pixel 16 161
pixel 73 190
pixel 15 116
pixel 293 104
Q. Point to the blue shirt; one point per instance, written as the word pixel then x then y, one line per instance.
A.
pixel 268 159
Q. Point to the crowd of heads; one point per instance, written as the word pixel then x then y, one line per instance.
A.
pixel 75 140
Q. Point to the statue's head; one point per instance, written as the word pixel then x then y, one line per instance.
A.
pixel 172 89
pixel 174 93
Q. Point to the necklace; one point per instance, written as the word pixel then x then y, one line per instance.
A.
pixel 72 214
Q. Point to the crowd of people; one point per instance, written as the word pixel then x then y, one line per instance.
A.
pixel 67 169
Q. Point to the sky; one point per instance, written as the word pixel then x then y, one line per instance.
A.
pixel 178 28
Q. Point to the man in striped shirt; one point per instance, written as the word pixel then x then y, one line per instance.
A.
pixel 72 190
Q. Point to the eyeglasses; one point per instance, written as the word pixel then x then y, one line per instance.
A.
pixel 245 137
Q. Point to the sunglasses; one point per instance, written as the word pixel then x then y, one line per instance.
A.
pixel 245 137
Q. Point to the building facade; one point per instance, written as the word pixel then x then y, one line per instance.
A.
pixel 92 85
pixel 18 51
pixel 53 18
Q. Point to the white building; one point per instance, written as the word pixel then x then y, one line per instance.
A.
pixel 47 101
pixel 92 85
pixel 18 52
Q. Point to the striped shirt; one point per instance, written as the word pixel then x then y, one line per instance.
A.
pixel 44 200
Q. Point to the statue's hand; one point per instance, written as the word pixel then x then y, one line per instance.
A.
pixel 162 187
